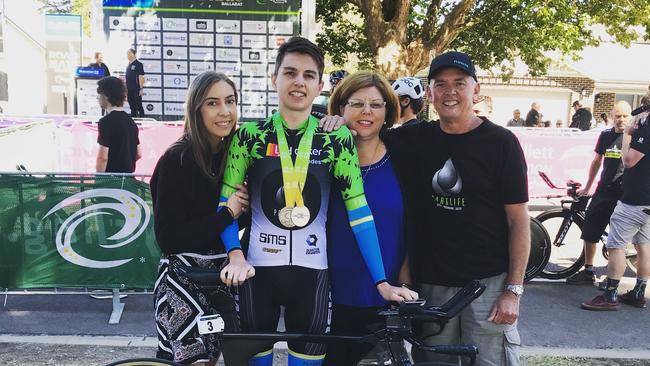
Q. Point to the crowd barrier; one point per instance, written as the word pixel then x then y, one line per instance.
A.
pixel 84 231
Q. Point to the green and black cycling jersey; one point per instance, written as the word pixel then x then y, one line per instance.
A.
pixel 254 156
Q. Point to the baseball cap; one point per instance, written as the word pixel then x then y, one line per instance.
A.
pixel 456 59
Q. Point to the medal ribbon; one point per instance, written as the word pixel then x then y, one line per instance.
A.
pixel 294 175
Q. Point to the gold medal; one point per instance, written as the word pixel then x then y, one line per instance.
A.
pixel 300 216
pixel 284 215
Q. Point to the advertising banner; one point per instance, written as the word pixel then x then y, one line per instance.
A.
pixel 561 154
pixel 58 231
pixel 62 55
pixel 177 39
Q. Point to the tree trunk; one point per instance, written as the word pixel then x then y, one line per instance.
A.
pixel 395 60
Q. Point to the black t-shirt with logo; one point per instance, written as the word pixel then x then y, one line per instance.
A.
pixel 134 69
pixel 636 180
pixel 609 146
pixel 119 134
pixel 463 182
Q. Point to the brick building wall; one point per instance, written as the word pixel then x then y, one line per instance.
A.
pixel 603 103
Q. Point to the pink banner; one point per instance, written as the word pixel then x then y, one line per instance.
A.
pixel 78 145
pixel 560 153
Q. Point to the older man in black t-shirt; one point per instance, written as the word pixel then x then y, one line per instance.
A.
pixel 469 179
pixel 630 222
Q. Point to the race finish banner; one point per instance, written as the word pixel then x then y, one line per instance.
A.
pixel 72 231
pixel 178 39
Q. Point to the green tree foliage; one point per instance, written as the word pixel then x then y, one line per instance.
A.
pixel 399 37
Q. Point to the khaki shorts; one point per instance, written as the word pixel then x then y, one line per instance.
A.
pixel 497 344
pixel 628 224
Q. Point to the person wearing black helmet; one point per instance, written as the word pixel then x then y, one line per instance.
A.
pixel 411 99
pixel 335 77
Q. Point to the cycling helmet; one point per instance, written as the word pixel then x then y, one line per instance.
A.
pixel 336 76
pixel 409 86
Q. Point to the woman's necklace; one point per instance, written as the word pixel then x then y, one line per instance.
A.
pixel 370 167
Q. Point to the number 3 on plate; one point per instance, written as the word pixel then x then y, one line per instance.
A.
pixel 209 324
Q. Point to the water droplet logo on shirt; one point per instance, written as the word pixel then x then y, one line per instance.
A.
pixel 446 181
pixel 447 185
pixel 114 202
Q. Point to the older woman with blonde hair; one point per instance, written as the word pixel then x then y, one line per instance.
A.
pixel 369 105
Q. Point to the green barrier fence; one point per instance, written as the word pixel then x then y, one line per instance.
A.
pixel 64 230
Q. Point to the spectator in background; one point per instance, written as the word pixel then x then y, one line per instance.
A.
pixel 484 107
pixel 134 84
pixel 516 120
pixel 119 146
pixel 630 221
pixel 608 192
pixel 411 99
pixel 581 119
pixel 99 63
pixel 559 123
pixel 603 116
pixel 533 117
pixel 335 77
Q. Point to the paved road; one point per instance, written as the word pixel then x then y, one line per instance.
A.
pixel 551 323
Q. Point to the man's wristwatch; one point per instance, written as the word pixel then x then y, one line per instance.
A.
pixel 518 290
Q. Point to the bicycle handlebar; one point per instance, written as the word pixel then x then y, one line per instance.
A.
pixel 442 313
pixel 209 279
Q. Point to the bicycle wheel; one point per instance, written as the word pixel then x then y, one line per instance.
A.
pixel 144 362
pixel 540 249
pixel 567 254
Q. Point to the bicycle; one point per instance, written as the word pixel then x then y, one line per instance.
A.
pixel 397 328
pixel 566 222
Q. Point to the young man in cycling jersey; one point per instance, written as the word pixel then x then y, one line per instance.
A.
pixel 411 99
pixel 290 166
pixel 608 192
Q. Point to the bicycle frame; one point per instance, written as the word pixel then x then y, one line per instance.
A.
pixel 398 323
pixel 577 208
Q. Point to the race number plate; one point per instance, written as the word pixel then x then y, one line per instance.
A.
pixel 209 324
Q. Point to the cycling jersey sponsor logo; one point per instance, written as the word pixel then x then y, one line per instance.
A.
pixel 272 150
pixel 273 239
pixel 311 241
pixel 447 184
pixel 271 250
